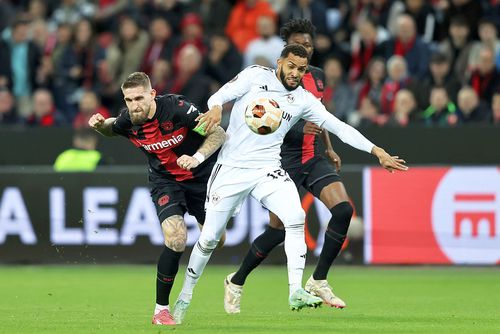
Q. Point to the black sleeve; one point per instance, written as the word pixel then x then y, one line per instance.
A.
pixel 186 111
pixel 122 124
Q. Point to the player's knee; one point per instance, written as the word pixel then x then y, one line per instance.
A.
pixel 275 222
pixel 341 217
pixel 295 218
pixel 207 244
pixel 174 233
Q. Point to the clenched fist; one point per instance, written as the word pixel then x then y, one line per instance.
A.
pixel 96 121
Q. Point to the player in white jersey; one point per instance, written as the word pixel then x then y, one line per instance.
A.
pixel 249 164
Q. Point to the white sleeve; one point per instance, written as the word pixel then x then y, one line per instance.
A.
pixel 317 113
pixel 235 88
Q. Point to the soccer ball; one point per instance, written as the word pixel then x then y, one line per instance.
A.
pixel 263 116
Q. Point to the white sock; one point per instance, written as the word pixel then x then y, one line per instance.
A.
pixel 159 308
pixel 215 224
pixel 197 263
pixel 295 249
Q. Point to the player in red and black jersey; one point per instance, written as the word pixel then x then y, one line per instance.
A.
pixel 302 159
pixel 181 157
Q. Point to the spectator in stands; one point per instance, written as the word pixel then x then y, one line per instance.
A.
pixel 268 45
pixel 368 114
pixel 83 156
pixel 312 10
pixel 72 11
pixel 5 67
pixel 440 75
pixel 76 69
pixel 405 109
pixel 372 85
pixel 408 44
pixel 457 47
pixel 485 79
pixel 189 79
pixel 495 107
pixel 123 57
pixel 24 59
pixel 242 24
pixel 441 111
pixel 471 10
pixel 161 44
pixel 338 96
pixel 423 14
pixel 191 34
pixel 161 74
pixel 398 78
pixel 365 44
pixel 8 115
pixel 488 37
pixel 206 8
pixel 470 109
pixel 89 105
pixel 44 111
pixel 224 61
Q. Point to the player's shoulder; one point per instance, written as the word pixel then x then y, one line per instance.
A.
pixel 258 70
pixel 173 101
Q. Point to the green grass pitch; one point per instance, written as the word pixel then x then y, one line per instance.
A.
pixel 120 299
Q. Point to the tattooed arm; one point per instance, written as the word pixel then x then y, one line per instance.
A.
pixel 215 138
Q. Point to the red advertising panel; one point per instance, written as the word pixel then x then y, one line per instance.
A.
pixel 432 216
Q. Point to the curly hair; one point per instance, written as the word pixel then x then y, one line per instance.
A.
pixel 297 26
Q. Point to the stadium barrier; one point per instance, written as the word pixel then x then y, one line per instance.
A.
pixel 108 217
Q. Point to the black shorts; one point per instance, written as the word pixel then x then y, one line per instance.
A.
pixel 314 175
pixel 175 198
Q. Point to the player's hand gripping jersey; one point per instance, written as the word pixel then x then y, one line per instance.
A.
pixel 246 149
pixel 165 137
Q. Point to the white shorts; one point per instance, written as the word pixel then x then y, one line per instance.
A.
pixel 228 187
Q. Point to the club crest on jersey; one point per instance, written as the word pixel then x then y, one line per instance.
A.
pixel 290 98
pixel 167 126
pixel 215 198
pixel 319 83
pixel 163 200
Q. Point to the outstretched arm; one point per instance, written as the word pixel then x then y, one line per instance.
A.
pixel 212 142
pixel 330 153
pixel 102 125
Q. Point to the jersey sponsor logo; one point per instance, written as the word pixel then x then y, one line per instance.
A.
pixel 263 87
pixel 163 200
pixel 286 116
pixel 175 140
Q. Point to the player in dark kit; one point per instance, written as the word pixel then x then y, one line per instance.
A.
pixel 180 158
pixel 302 159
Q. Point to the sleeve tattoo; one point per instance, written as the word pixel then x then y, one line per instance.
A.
pixel 212 142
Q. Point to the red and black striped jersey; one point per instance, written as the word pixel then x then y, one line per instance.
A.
pixel 167 136
pixel 298 148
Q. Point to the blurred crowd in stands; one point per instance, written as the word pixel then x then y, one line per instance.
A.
pixel 387 63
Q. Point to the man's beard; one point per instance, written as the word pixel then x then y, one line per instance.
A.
pixel 139 118
pixel 283 81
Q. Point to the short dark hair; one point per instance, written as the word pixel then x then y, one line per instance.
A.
pixel 295 49
pixel 439 58
pixel 137 79
pixel 459 20
pixel 297 26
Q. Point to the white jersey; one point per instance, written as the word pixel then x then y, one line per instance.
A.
pixel 246 149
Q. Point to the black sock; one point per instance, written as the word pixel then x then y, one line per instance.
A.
pixel 258 252
pixel 168 265
pixel 334 238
